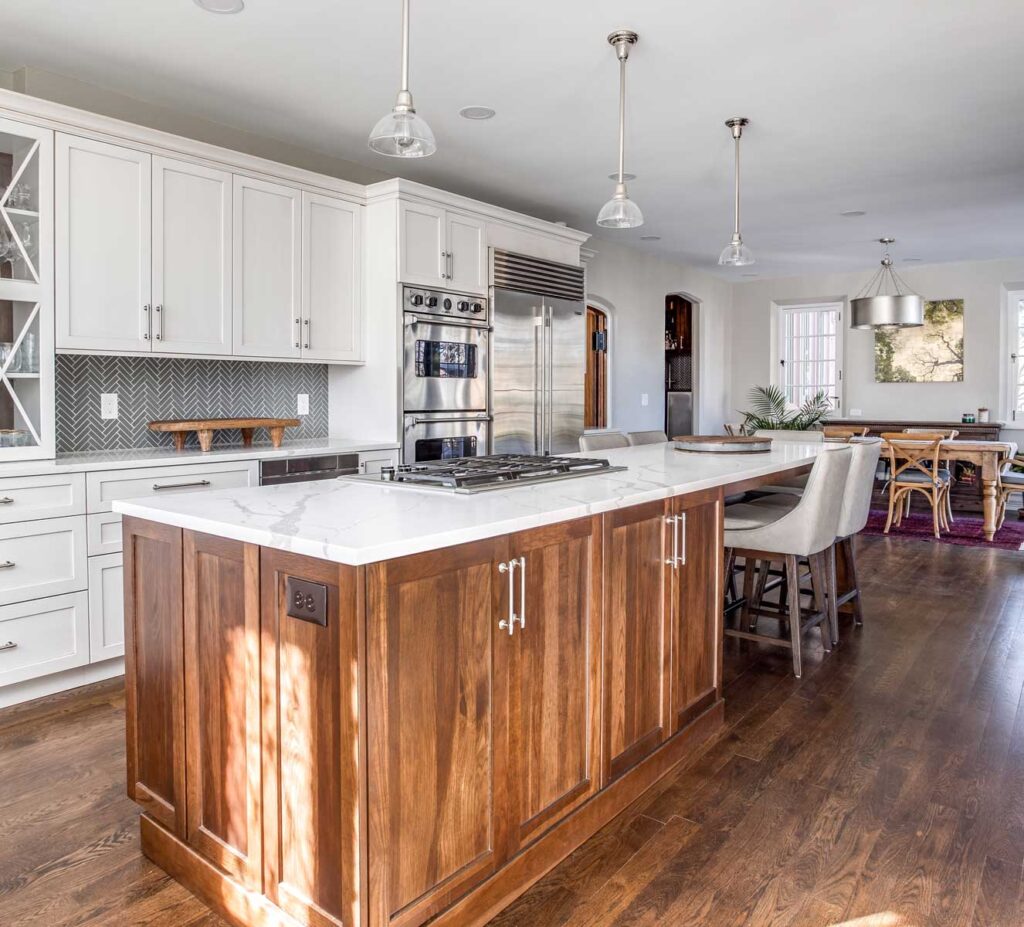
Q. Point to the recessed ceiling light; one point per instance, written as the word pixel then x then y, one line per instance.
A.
pixel 476 112
pixel 614 175
pixel 751 275
pixel 912 260
pixel 853 213
pixel 650 238
pixel 221 6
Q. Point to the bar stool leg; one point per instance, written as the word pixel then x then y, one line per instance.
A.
pixel 793 584
pixel 820 595
pixel 832 591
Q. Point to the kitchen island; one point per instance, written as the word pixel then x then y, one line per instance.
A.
pixel 368 705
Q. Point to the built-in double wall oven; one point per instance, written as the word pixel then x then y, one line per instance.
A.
pixel 445 375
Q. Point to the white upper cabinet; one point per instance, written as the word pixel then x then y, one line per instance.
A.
pixel 441 248
pixel 332 231
pixel 266 294
pixel 467 253
pixel 191 258
pixel 102 245
pixel 421 245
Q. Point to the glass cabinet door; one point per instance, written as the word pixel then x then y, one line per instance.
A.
pixel 26 291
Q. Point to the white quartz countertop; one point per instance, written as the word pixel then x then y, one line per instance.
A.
pixel 160 456
pixel 358 523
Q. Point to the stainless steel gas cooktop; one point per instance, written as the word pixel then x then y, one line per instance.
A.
pixel 480 474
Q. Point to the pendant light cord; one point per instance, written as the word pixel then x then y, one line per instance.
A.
pixel 736 191
pixel 622 117
pixel 405 46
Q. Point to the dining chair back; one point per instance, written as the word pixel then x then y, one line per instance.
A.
pixel 646 437
pixel 785 434
pixel 914 466
pixel 948 434
pixel 603 441
pixel 842 432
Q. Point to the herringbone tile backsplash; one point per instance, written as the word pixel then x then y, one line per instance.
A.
pixel 151 388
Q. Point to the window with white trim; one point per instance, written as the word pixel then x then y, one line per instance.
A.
pixel 1015 306
pixel 810 352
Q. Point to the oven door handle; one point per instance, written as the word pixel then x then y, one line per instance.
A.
pixel 447 421
pixel 443 322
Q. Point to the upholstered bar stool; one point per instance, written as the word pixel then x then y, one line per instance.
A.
pixel 791 484
pixel 786 530
pixel 646 437
pixel 605 441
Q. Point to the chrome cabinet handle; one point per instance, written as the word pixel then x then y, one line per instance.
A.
pixel 509 624
pixel 6 500
pixel 670 520
pixel 159 323
pixel 522 593
pixel 298 329
pixel 149 322
pixel 444 273
pixel 158 486
pixel 10 645
pixel 7 565
pixel 681 520
pixel 305 344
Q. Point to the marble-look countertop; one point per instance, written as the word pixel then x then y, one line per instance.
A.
pixel 357 523
pixel 160 456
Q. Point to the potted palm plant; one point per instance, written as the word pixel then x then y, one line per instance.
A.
pixel 770 410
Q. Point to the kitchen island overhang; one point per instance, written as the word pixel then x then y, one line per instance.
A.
pixel 384 727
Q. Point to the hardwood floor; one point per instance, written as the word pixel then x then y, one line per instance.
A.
pixel 884 789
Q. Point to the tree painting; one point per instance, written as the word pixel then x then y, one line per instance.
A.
pixel 932 353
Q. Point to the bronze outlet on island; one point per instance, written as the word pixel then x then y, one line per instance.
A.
pixel 306 601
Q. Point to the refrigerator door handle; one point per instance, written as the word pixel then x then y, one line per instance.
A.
pixel 538 386
pixel 550 365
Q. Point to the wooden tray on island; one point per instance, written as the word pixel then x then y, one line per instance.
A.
pixel 205 427
pixel 722 444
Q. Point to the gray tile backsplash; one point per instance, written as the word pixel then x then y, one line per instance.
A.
pixel 151 388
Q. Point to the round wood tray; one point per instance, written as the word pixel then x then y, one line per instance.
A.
pixel 722 444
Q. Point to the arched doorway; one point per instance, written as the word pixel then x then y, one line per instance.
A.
pixel 596 378
pixel 682 317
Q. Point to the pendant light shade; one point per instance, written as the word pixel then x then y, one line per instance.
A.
pixel 736 254
pixel 402 133
pixel 620 212
pixel 886 301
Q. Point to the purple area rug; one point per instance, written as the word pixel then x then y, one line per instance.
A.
pixel 966 530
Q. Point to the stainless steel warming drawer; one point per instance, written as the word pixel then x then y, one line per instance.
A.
pixel 305 469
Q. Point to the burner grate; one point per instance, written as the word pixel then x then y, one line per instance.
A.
pixel 475 473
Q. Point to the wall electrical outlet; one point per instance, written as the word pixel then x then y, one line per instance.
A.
pixel 644 399
pixel 856 412
pixel 108 405
pixel 302 404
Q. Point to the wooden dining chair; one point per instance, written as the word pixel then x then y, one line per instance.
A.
pixel 1010 481
pixel 843 432
pixel 914 466
pixel 948 434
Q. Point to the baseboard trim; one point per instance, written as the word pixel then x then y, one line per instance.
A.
pixel 31 689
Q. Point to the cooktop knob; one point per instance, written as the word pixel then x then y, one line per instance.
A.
pixel 416 299
pixel 432 301
pixel 447 304
pixel 476 307
pixel 463 306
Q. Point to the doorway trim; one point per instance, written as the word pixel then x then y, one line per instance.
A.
pixel 608 309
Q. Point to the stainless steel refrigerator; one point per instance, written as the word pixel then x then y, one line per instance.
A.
pixel 538 355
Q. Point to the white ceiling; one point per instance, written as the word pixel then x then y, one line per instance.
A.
pixel 910 110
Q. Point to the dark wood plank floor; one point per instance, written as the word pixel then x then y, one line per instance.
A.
pixel 884 789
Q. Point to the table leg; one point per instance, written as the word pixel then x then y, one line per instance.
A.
pixel 989 501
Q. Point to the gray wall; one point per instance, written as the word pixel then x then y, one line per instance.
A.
pixel 155 388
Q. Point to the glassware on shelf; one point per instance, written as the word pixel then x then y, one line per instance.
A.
pixel 20 196
pixel 28 354
pixel 6 349
pixel 15 437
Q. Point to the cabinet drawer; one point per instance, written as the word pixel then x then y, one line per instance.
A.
pixel 106 607
pixel 42 558
pixel 105 487
pixel 25 498
pixel 43 636
pixel 104 531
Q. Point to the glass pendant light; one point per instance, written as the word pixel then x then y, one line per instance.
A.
pixel 736 254
pixel 886 301
pixel 402 133
pixel 620 212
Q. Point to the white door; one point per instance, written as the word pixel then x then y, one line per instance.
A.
pixel 467 254
pixel 191 258
pixel 809 353
pixel 332 305
pixel 266 292
pixel 106 607
pixel 102 245
pixel 422 255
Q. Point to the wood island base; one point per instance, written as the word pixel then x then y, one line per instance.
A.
pixel 417 740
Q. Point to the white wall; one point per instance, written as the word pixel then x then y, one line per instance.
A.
pixel 981 284
pixel 633 286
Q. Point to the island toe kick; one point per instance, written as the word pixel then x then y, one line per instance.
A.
pixel 420 739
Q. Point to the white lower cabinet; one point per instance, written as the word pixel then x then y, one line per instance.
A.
pixel 104 533
pixel 42 558
pixel 43 636
pixel 106 607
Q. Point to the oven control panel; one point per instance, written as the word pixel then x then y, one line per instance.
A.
pixel 442 303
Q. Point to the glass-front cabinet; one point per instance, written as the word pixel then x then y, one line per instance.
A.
pixel 26 291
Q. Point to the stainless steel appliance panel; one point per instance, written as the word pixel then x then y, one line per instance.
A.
pixel 305 469
pixel 680 414
pixel 445 365
pixel 444 436
pixel 517 377
pixel 566 371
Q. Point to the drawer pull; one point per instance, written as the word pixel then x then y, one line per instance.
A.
pixel 6 500
pixel 7 565
pixel 158 486
pixel 10 645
